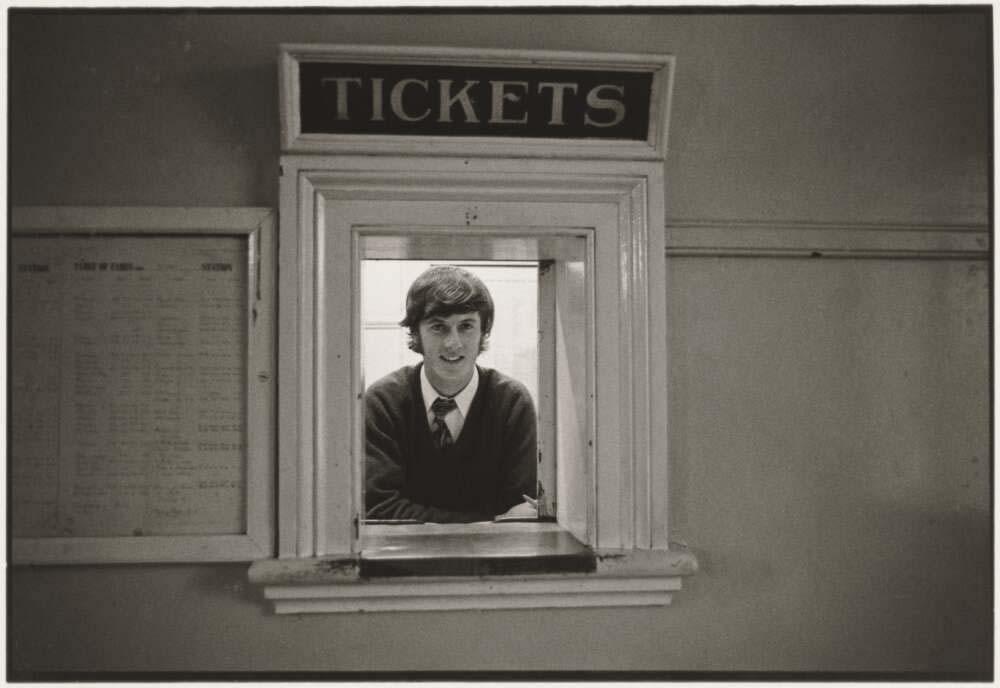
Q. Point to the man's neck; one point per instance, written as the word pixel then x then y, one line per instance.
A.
pixel 445 390
pixel 449 392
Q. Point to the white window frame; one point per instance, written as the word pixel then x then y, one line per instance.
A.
pixel 325 200
pixel 334 187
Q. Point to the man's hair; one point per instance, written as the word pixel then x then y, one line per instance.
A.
pixel 443 291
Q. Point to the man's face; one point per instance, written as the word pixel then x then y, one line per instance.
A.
pixel 451 345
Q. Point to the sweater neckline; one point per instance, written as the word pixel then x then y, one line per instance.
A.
pixel 472 419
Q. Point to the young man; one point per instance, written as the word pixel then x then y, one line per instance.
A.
pixel 447 440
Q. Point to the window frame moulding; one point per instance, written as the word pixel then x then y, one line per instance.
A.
pixel 325 202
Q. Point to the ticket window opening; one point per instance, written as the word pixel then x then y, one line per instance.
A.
pixel 513 344
pixel 538 338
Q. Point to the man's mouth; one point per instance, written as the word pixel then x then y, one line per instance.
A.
pixel 452 359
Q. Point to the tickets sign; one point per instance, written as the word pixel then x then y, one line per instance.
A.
pixel 480 101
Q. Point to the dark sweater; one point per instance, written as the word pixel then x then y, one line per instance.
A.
pixel 484 473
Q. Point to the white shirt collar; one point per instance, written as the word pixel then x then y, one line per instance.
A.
pixel 463 399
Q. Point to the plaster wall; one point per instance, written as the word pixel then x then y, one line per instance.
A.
pixel 829 418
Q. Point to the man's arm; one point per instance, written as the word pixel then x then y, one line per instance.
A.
pixel 519 467
pixel 385 474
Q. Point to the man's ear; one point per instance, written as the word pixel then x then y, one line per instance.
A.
pixel 414 343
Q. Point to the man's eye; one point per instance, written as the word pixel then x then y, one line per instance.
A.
pixel 437 328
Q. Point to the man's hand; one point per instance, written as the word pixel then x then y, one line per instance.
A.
pixel 526 509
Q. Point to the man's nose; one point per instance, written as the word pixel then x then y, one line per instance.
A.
pixel 451 340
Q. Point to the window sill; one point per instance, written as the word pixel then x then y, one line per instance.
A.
pixel 475 549
pixel 487 566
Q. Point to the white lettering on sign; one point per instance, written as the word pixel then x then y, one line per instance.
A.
pixel 342 83
pixel 500 95
pixel 462 98
pixel 508 100
pixel 377 115
pixel 558 99
pixel 596 102
pixel 396 100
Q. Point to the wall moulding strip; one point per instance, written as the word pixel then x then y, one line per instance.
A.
pixel 725 238
pixel 464 602
pixel 434 594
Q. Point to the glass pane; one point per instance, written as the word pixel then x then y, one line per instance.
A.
pixel 129 385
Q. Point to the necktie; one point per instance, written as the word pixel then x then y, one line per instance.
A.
pixel 439 429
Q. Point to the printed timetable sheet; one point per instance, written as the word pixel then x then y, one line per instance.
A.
pixel 128 379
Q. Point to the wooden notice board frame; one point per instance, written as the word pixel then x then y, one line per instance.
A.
pixel 257 227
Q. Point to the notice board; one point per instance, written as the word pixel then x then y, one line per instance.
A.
pixel 141 421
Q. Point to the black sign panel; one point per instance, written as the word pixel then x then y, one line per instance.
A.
pixel 425 100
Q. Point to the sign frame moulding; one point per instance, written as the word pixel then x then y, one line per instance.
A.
pixel 457 101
